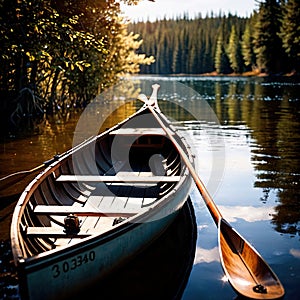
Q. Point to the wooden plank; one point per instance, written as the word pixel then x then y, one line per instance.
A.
pixel 60 210
pixel 55 232
pixel 117 179
pixel 139 131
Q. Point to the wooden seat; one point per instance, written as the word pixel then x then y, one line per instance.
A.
pixel 117 179
pixel 139 131
pixel 56 232
pixel 60 210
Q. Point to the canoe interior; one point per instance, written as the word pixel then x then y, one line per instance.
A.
pixel 119 154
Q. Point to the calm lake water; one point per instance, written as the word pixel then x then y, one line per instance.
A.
pixel 245 133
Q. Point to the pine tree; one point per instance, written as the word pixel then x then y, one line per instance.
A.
pixel 290 32
pixel 221 59
pixel 267 44
pixel 233 51
pixel 176 61
pixel 247 48
pixel 184 39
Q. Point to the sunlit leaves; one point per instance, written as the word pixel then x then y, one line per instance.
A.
pixel 65 49
pixel 30 57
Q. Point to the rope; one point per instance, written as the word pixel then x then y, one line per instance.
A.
pixel 23 172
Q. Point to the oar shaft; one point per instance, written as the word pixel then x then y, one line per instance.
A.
pixel 201 187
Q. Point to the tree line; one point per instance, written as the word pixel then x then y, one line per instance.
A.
pixel 266 42
pixel 56 54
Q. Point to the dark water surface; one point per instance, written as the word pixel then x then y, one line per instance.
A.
pixel 248 157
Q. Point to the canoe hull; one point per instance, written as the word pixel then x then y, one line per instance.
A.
pixel 97 256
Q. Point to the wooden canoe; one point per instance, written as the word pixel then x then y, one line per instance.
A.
pixel 98 206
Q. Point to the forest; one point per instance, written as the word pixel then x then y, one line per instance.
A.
pixel 267 42
pixel 58 55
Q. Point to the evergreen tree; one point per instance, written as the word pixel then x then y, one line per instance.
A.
pixel 176 61
pixel 221 59
pixel 193 62
pixel 267 44
pixel 219 54
pixel 208 57
pixel 234 52
pixel 290 32
pixel 247 48
pixel 195 46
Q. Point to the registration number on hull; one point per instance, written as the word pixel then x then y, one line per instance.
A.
pixel 72 264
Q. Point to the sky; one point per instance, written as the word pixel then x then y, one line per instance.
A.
pixel 172 8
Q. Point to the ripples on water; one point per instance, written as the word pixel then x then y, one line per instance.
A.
pixel 248 156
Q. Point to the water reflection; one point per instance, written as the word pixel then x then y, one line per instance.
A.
pixel 271 112
pixel 277 160
pixel 247 213
pixel 207 255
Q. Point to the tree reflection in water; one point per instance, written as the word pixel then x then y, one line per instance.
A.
pixel 271 111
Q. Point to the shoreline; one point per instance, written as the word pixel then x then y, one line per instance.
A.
pixel 215 74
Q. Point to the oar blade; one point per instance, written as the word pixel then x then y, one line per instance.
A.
pixel 245 269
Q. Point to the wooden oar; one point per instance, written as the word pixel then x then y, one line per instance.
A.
pixel 246 270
